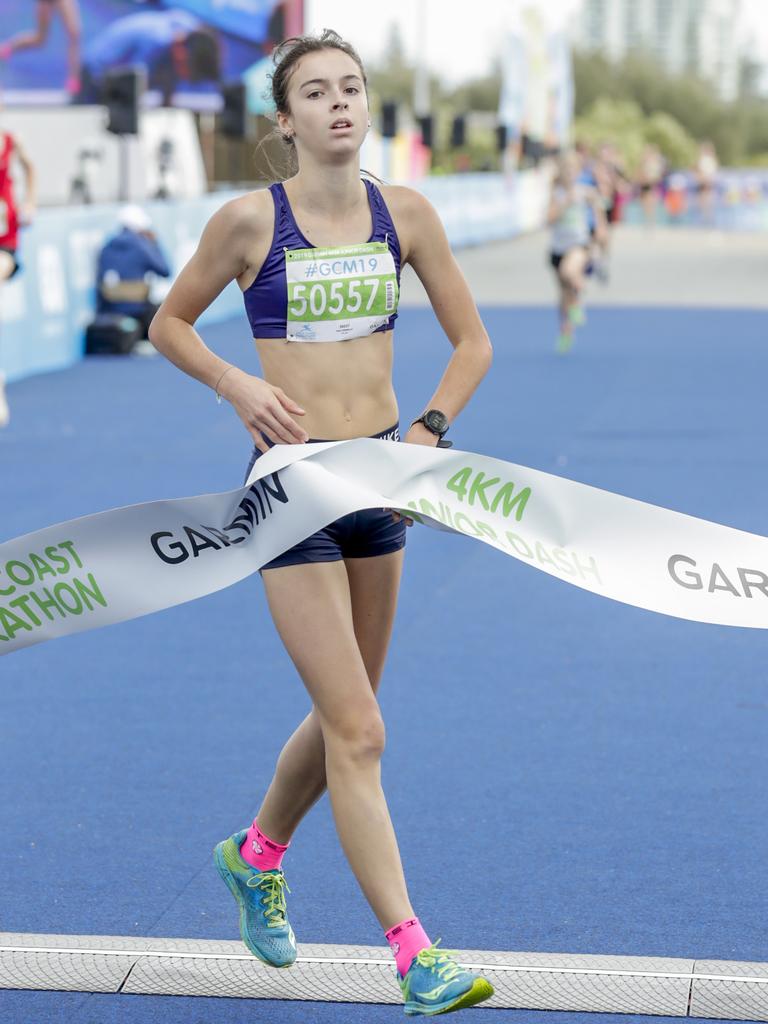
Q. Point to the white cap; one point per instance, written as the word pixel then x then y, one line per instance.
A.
pixel 134 218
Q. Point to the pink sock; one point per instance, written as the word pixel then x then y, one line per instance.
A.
pixel 406 940
pixel 260 851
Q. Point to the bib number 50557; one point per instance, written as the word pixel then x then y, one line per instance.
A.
pixel 319 298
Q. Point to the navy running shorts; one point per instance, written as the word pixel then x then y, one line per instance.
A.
pixel 364 534
pixel 556 258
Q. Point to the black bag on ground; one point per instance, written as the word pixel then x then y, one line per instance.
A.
pixel 112 334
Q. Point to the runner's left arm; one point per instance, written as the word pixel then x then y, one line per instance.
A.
pixel 595 200
pixel 29 205
pixel 429 253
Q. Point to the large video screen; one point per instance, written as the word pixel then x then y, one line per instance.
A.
pixel 58 51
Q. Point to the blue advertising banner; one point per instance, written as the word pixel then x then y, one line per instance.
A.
pixel 58 51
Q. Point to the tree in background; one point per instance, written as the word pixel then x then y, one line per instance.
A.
pixel 630 102
pixel 624 123
pixel 392 79
pixel 739 130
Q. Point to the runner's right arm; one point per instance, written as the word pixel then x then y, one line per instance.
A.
pixel 221 257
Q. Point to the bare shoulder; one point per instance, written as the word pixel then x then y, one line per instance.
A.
pixel 244 215
pixel 405 202
pixel 413 214
pixel 239 234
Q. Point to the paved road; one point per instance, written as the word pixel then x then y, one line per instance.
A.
pixel 659 267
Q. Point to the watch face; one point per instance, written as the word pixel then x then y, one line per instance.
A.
pixel 436 421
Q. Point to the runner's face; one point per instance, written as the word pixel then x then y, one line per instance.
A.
pixel 329 107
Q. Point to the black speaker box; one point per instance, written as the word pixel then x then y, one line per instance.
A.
pixel 234 113
pixel 427 125
pixel 458 131
pixel 122 91
pixel 389 119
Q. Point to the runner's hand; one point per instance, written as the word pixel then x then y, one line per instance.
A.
pixel 418 434
pixel 264 409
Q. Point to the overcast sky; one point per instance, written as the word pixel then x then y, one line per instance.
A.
pixel 462 37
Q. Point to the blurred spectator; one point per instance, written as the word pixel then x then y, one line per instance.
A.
pixel 173 46
pixel 705 173
pixel 649 178
pixel 587 176
pixel 11 218
pixel 615 185
pixel 69 10
pixel 124 263
pixel 676 196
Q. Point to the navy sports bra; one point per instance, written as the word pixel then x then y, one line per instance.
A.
pixel 266 300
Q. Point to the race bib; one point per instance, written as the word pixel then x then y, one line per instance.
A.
pixel 339 293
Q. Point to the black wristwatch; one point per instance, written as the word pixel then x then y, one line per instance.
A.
pixel 436 423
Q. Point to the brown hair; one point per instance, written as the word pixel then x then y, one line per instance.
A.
pixel 286 56
pixel 290 52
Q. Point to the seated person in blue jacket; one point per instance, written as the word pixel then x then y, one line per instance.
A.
pixel 124 263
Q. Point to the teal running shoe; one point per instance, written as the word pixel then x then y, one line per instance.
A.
pixel 264 926
pixel 576 315
pixel 564 343
pixel 436 984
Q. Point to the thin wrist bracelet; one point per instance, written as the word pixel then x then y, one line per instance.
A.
pixel 221 378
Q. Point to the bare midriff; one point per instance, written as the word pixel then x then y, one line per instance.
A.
pixel 344 387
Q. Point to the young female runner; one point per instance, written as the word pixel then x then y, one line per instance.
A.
pixel 573 206
pixel 326 356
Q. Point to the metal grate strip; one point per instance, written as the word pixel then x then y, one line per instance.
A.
pixel 576 982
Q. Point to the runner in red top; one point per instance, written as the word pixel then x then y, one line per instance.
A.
pixel 10 215
pixel 9 221
pixel 11 218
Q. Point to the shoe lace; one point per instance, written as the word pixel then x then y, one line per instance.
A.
pixel 440 960
pixel 272 884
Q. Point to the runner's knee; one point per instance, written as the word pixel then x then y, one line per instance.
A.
pixel 357 732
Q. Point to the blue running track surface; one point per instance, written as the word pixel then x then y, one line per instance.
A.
pixel 607 764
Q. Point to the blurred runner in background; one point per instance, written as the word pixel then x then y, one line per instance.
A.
pixel 649 178
pixel 614 188
pixel 705 173
pixel 574 206
pixel 11 218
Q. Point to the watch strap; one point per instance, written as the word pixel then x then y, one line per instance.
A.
pixel 423 419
